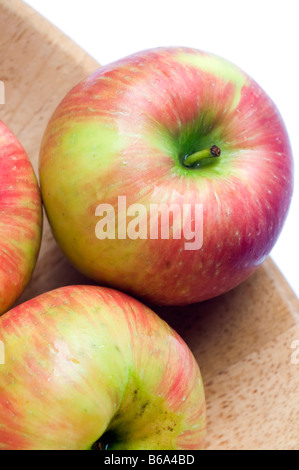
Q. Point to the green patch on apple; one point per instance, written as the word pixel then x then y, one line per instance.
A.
pixel 220 69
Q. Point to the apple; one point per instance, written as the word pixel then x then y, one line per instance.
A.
pixel 92 368
pixel 172 126
pixel 20 218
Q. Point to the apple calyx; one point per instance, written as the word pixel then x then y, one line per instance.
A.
pixel 105 441
pixel 194 158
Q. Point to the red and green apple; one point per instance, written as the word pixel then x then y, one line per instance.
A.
pixel 92 368
pixel 148 128
pixel 20 218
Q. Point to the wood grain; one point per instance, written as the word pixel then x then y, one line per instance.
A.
pixel 242 340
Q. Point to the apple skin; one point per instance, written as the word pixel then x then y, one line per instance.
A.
pixel 124 130
pixel 20 219
pixel 84 359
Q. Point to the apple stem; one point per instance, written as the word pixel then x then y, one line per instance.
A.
pixel 196 157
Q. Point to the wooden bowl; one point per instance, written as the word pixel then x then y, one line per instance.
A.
pixel 242 340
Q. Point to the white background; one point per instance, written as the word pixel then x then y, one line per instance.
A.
pixel 260 36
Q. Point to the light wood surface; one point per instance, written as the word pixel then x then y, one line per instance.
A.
pixel 242 340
